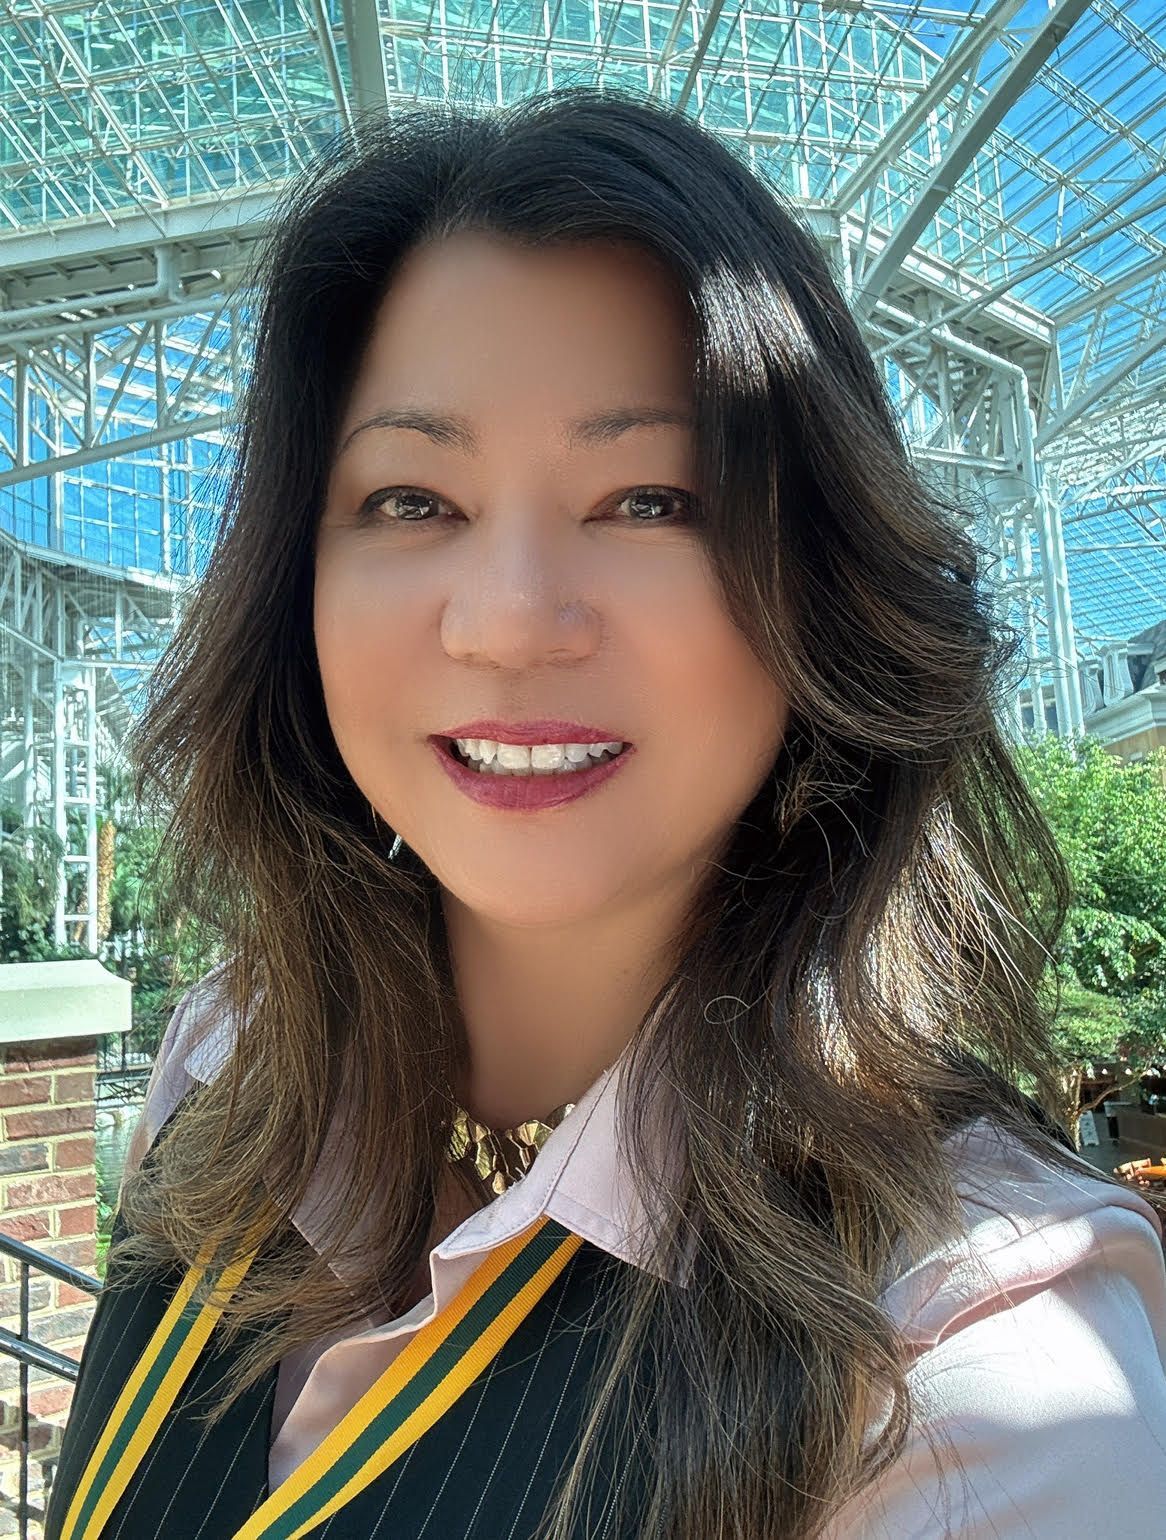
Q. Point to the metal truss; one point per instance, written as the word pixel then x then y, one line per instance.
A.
pixel 75 640
pixel 1010 271
pixel 138 344
pixel 968 407
pixel 963 146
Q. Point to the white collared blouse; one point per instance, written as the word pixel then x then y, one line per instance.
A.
pixel 1036 1340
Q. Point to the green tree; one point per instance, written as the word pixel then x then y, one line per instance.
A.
pixel 1110 969
pixel 30 875
pixel 160 950
pixel 167 950
pixel 116 784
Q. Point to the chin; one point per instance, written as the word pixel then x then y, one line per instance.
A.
pixel 537 906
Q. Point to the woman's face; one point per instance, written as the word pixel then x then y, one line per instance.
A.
pixel 508 542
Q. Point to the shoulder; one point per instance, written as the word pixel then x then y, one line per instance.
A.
pixel 1036 1344
pixel 196 1043
pixel 1028 1223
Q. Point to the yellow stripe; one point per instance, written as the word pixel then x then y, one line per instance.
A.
pixel 129 1390
pixel 159 1404
pixel 455 1383
pixel 400 1371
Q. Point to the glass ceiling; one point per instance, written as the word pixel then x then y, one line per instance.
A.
pixel 111 109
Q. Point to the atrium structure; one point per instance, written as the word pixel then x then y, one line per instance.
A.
pixel 988 178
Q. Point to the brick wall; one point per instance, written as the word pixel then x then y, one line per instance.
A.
pixel 47 1199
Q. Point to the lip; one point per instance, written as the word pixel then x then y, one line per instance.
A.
pixel 544 730
pixel 526 793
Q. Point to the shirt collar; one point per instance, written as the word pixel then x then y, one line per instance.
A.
pixel 580 1176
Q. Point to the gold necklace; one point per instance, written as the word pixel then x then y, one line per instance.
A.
pixel 496 1158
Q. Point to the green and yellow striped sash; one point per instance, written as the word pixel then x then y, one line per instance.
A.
pixel 421 1383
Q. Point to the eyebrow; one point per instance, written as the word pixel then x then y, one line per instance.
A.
pixel 454 432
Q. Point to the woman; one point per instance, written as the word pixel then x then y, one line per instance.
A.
pixel 585 740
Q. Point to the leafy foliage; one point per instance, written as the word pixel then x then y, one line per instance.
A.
pixel 30 864
pixel 158 949
pixel 1109 975
pixel 134 899
pixel 168 949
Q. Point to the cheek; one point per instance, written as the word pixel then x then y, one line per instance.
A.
pixel 718 688
pixel 336 637
pixel 354 639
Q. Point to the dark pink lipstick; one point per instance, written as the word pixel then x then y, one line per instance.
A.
pixel 528 793
pixel 544 730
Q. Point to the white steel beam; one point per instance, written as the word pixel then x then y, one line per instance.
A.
pixel 115 132
pixel 199 427
pixel 698 56
pixel 1090 232
pixel 959 62
pixel 987 420
pixel 69 627
pixel 1095 486
pixel 1116 287
pixel 366 56
pixel 660 70
pixel 96 240
pixel 327 45
pixel 1059 617
pixel 963 148
pixel 1079 405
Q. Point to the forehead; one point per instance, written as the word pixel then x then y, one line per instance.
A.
pixel 474 321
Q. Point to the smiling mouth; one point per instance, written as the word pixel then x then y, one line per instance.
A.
pixel 484 756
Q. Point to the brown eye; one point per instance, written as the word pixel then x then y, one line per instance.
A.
pixel 655 505
pixel 402 505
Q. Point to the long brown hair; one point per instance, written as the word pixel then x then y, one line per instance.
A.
pixel 860 974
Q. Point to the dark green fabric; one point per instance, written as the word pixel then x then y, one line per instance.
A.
pixel 485 1471
pixel 445 1358
pixel 170 1496
pixel 149 1388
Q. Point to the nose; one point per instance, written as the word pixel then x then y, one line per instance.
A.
pixel 515 606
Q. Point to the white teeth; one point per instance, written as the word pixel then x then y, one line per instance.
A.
pixel 514 756
pixel 533 759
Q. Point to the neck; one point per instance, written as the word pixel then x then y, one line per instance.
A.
pixel 547 1010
